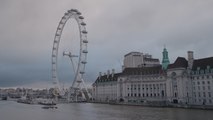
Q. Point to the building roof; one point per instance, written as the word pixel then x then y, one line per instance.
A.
pixel 202 63
pixel 133 53
pixel 108 78
pixel 180 62
pixel 143 70
pixel 131 71
pixel 151 59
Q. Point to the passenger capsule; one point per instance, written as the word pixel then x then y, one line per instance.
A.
pixel 82 72
pixel 78 13
pixel 61 22
pixel 83 23
pixel 64 17
pixel 59 28
pixel 81 17
pixel 84 31
pixel 85 51
pixel 74 10
pixel 57 34
pixel 85 41
pixel 83 62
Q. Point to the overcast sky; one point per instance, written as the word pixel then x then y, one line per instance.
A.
pixel 115 27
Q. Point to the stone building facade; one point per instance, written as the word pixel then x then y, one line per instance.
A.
pixel 186 81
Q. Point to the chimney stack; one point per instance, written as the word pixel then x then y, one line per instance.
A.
pixel 100 74
pixel 190 59
pixel 113 72
pixel 108 72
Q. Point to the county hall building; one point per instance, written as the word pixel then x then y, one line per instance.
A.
pixel 144 80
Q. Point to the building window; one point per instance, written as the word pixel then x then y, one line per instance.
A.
pixel 139 95
pixel 210 101
pixel 175 94
pixel 147 95
pixel 131 94
pixel 208 82
pixel 209 88
pixel 203 87
pixel 135 94
pixel 209 94
pixel 194 94
pixel 204 94
pixel 199 95
pixel 204 101
pixel 198 87
pixel 207 76
pixel 198 83
pixel 143 94
pixel 128 95
pixel 203 82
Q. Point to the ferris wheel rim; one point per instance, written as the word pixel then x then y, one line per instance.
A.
pixel 75 14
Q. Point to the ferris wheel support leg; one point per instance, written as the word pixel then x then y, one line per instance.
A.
pixel 69 95
pixel 85 87
pixel 73 65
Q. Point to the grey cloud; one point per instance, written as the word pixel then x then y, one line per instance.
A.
pixel 115 28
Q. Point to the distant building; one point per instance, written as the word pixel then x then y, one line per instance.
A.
pixel 137 59
pixel 186 81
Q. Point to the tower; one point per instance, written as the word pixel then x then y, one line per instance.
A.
pixel 165 61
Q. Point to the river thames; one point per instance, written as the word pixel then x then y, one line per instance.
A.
pixel 10 110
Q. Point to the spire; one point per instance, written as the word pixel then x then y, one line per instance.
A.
pixel 165 61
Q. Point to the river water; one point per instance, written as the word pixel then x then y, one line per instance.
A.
pixel 10 110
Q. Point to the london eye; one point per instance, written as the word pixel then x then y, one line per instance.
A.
pixel 78 86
